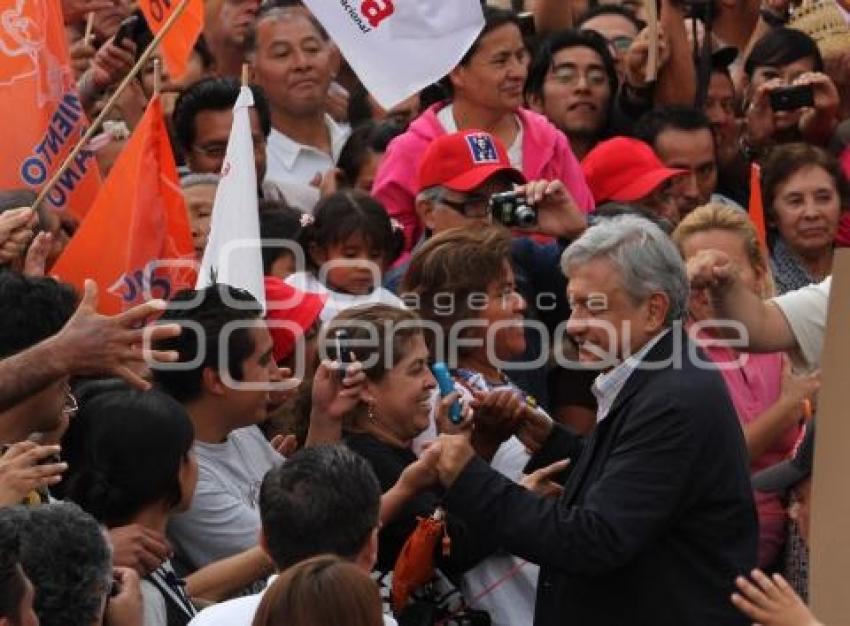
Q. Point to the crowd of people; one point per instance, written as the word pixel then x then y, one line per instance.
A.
pixel 540 344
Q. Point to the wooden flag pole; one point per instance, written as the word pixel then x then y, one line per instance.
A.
pixel 157 76
pixel 652 53
pixel 110 104
pixel 89 28
pixel 246 74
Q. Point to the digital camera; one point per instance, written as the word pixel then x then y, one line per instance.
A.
pixel 791 98
pixel 510 209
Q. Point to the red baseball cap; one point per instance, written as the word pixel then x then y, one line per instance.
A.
pixel 463 161
pixel 299 309
pixel 623 169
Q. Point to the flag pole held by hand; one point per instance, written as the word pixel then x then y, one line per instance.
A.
pixel 110 104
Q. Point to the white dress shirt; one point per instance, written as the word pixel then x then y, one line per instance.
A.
pixel 288 161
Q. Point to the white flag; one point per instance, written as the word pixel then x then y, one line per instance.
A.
pixel 399 47
pixel 233 252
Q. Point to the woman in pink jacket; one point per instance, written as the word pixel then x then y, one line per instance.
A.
pixel 487 92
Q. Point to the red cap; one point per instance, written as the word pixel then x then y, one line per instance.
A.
pixel 624 170
pixel 462 161
pixel 298 309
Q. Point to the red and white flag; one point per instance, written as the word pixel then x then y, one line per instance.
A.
pixel 399 47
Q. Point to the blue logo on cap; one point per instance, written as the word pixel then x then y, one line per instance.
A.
pixel 483 149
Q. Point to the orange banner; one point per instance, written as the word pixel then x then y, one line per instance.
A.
pixel 135 242
pixel 43 116
pixel 756 206
pixel 177 45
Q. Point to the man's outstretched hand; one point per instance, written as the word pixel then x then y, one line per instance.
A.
pixel 95 344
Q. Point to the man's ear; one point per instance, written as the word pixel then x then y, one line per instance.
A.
pixel 659 305
pixel 264 544
pixel 425 211
pixel 335 62
pixel 212 383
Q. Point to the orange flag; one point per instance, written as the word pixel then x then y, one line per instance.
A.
pixel 43 118
pixel 177 45
pixel 756 206
pixel 135 241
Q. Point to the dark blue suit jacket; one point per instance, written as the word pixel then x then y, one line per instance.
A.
pixel 657 516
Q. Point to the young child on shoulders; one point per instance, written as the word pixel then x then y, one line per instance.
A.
pixel 348 243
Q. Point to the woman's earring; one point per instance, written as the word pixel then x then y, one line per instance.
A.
pixel 371 412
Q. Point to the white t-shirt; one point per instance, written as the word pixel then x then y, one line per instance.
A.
pixel 240 612
pixel 338 302
pixel 805 309
pixel 224 518
pixel 288 161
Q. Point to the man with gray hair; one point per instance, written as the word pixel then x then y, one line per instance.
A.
pixel 656 516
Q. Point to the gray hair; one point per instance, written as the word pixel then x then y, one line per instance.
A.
pixel 645 257
pixel 431 194
pixel 66 556
pixel 194 180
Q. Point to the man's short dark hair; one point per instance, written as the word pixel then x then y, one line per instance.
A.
pixel 212 312
pixel 213 94
pixel 541 63
pixel 31 310
pixel 610 9
pixel 671 117
pixel 324 499
pixel 12 585
pixel 781 46
pixel 64 553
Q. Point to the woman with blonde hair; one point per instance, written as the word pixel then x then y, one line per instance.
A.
pixel 766 394
pixel 320 591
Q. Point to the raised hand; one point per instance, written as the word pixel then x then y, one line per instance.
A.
pixel 91 343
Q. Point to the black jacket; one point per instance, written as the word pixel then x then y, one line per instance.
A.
pixel 389 462
pixel 657 516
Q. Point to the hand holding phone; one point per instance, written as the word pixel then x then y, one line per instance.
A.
pixel 126 30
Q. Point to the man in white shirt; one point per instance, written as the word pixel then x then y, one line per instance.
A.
pixel 324 500
pixel 795 321
pixel 294 62
pixel 226 368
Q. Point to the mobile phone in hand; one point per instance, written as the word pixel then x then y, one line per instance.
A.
pixel 447 386
pixel 126 30
pixel 342 354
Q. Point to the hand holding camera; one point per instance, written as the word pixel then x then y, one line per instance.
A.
pixel 819 120
pixel 812 96
pixel 542 206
